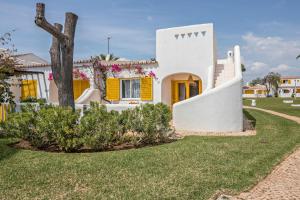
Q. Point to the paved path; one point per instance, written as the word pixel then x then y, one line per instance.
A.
pixel 282 184
pixel 284 181
pixel 293 118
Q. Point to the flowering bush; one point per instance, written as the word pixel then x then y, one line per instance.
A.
pixel 152 74
pixel 139 70
pixel 115 68
pixel 77 74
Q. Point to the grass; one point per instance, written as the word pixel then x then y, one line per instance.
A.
pixel 276 104
pixel 191 168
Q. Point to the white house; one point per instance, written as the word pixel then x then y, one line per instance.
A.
pixel 204 93
pixel 289 85
pixel 257 91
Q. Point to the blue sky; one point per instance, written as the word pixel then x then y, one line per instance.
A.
pixel 268 31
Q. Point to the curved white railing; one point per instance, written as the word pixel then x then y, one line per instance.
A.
pixel 216 110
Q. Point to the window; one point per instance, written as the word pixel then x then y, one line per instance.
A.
pixel 284 81
pixel 130 88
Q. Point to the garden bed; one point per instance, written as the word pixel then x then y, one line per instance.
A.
pixel 56 129
pixel 26 145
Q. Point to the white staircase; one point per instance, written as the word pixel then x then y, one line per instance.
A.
pixel 224 71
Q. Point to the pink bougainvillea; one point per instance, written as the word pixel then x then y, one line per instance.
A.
pixel 115 68
pixel 152 74
pixel 50 76
pixel 76 75
pixel 139 70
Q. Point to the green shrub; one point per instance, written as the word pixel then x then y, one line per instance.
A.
pixel 58 126
pixel 152 122
pixel 22 124
pixel 98 129
pixel 101 128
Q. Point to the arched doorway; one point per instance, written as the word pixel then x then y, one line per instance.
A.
pixel 180 86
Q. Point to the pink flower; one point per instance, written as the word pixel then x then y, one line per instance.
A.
pixel 83 76
pixel 139 70
pixel 152 74
pixel 50 76
pixel 115 68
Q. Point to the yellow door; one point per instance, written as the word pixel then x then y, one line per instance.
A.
pixel 183 89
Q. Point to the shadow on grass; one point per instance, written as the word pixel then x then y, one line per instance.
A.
pixel 250 119
pixel 5 151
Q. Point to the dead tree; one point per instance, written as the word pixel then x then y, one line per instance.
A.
pixel 61 53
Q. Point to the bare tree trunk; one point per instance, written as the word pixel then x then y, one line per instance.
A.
pixel 61 53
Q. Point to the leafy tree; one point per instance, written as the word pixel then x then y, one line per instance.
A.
pixel 243 67
pixel 256 81
pixel 271 81
pixel 7 69
pixel 298 57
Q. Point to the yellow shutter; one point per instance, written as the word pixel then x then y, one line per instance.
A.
pixel 28 89
pixel 146 89
pixel 112 89
pixel 79 86
pixel 289 81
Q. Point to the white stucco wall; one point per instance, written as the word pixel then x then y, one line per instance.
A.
pixel 187 49
pixel 216 110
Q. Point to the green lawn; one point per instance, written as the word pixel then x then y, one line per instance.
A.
pixel 192 168
pixel 276 104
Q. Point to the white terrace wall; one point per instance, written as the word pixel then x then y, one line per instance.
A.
pixel 187 49
pixel 216 110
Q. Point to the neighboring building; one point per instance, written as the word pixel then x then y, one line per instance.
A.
pixel 257 91
pixel 288 86
pixel 205 93
pixel 28 82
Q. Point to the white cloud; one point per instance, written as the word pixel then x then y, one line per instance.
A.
pixel 264 54
pixel 281 68
pixel 149 18
pixel 258 66
pixel 272 47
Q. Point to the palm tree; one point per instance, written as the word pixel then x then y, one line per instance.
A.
pixel 271 81
pixel 108 57
pixel 298 57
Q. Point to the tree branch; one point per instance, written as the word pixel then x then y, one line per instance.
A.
pixel 41 21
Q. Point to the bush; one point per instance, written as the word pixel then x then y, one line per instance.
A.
pixel 22 124
pixel 98 129
pixel 152 122
pixel 101 129
pixel 58 126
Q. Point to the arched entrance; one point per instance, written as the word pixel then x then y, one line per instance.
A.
pixel 180 86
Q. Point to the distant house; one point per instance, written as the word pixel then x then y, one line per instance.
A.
pixel 288 86
pixel 186 75
pixel 28 82
pixel 257 91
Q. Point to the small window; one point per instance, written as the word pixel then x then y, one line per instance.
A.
pixel 285 81
pixel 130 88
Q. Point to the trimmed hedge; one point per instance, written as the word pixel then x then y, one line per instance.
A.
pixel 97 129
